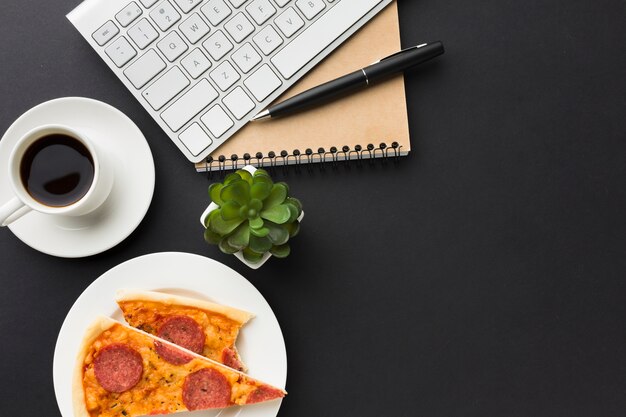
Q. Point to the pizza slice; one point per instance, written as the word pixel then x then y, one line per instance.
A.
pixel 205 328
pixel 124 372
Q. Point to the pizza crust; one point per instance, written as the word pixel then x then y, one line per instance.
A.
pixel 78 392
pixel 141 295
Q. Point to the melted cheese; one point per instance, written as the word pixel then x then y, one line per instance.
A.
pixel 160 389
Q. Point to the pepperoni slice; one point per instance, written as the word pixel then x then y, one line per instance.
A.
pixel 264 393
pixel 183 331
pixel 172 355
pixel 206 388
pixel 118 367
pixel 229 358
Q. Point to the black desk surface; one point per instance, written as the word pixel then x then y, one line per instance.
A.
pixel 485 275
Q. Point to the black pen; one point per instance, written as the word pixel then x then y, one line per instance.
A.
pixel 364 77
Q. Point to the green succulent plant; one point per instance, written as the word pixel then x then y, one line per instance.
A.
pixel 255 216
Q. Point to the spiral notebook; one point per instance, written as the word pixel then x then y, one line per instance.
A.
pixel 371 123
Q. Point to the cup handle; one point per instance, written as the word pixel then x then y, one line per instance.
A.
pixel 12 211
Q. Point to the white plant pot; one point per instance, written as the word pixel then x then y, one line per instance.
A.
pixel 239 254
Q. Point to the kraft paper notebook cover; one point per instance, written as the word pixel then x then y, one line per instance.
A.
pixel 373 116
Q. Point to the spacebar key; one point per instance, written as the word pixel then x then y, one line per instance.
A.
pixel 189 105
pixel 320 34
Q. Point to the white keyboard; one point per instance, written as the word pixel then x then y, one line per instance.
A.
pixel 204 68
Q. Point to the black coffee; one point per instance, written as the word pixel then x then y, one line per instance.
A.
pixel 57 170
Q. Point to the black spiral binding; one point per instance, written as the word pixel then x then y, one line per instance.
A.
pixel 322 158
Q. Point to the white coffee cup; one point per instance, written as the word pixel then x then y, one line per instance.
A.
pixel 23 202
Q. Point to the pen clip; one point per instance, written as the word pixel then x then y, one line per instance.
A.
pixel 399 53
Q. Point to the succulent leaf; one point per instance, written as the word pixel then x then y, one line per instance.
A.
pixel 256 223
pixel 211 217
pixel 252 256
pixel 278 235
pixel 214 193
pixel 294 212
pixel 261 173
pixel 281 251
pixel 262 232
pixel 260 190
pixel 284 184
pixel 240 237
pixel 212 237
pixel 277 196
pixel 263 178
pixel 237 191
pixel 256 205
pixel 226 248
pixel 296 203
pixel 230 210
pixel 294 229
pixel 231 178
pixel 245 175
pixel 220 226
pixel 267 183
pixel 260 244
pixel 277 214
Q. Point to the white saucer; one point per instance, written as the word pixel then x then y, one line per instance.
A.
pixel 129 199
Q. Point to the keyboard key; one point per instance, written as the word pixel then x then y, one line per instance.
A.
pixel 148 3
pixel 239 103
pixel 189 105
pixel 145 68
pixel 239 27
pixel 216 11
pixel 246 58
pixel 194 28
pixel 120 52
pixel 128 14
pixel 195 139
pixel 282 3
pixel 217 121
pixel 261 10
pixel 225 75
pixel 105 33
pixel 218 45
pixel 268 40
pixel 143 33
pixel 311 8
pixel 172 46
pixel 187 5
pixel 165 15
pixel 316 38
pixel 289 22
pixel 263 83
pixel 163 90
pixel 196 63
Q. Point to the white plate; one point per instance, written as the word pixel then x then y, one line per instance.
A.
pixel 260 343
pixel 129 199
